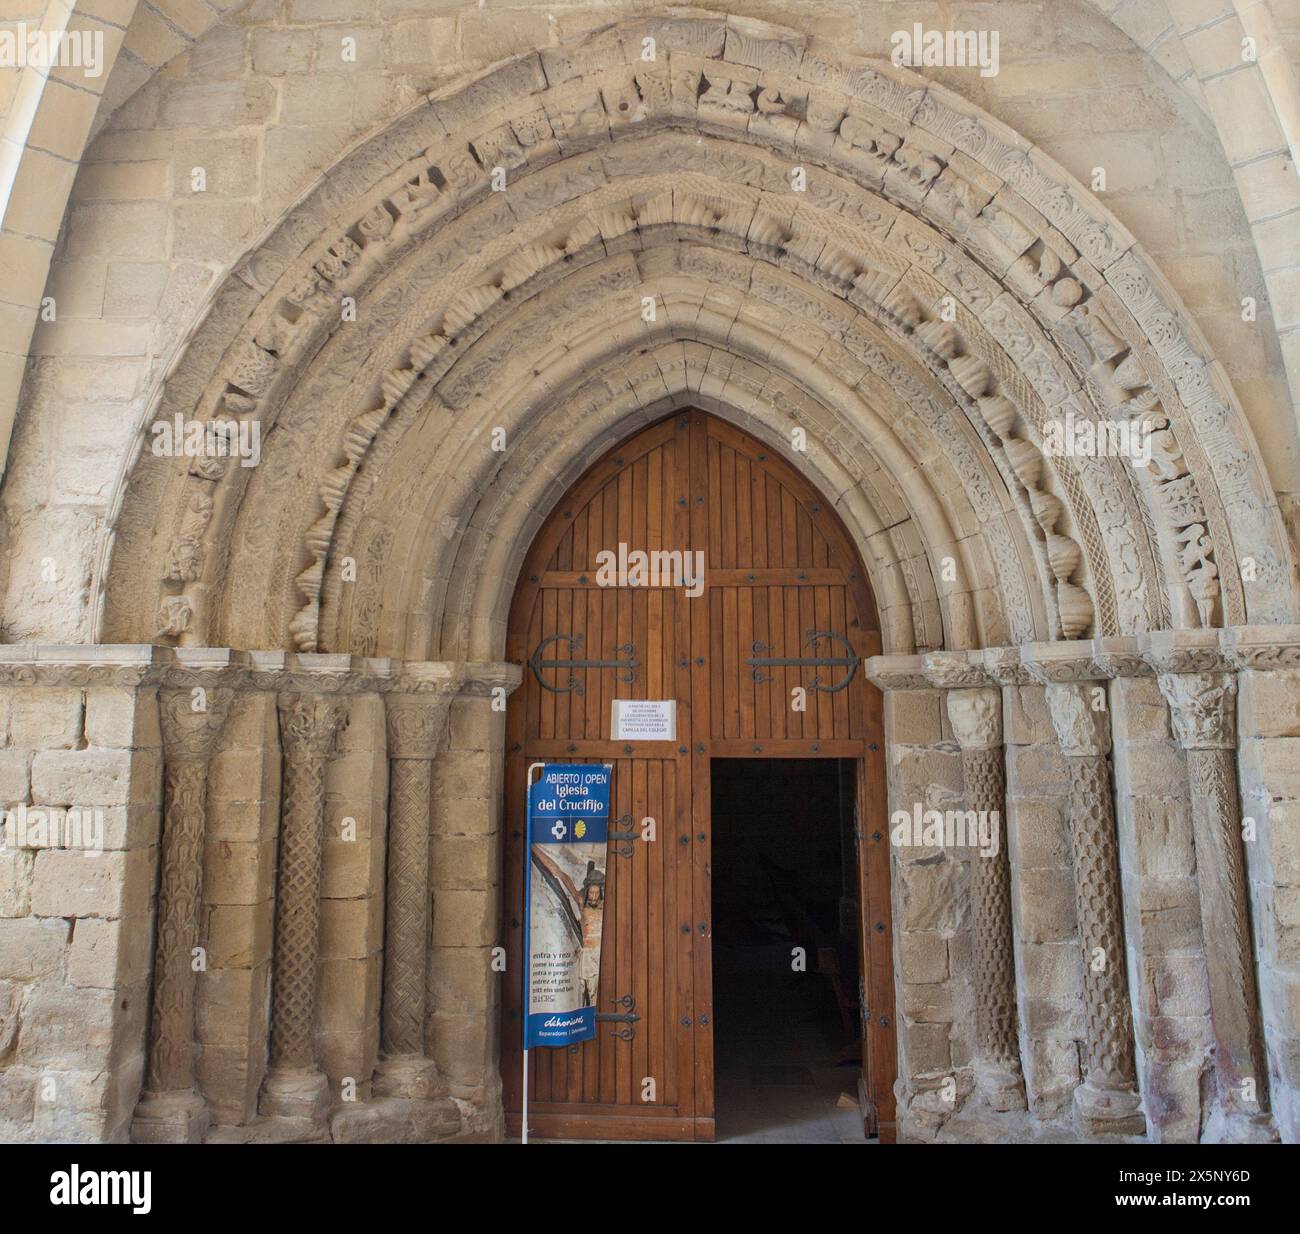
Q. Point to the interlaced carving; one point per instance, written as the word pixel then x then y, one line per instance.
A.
pixel 993 955
pixel 179 893
pixel 307 727
pixel 414 725
pixel 1096 887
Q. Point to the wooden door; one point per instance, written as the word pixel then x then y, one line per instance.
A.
pixel 781 583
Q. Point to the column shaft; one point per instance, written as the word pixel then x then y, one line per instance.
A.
pixel 1107 1101
pixel 1202 708
pixel 297 913
pixel 1110 1062
pixel 416 714
pixel 295 1086
pixel 170 1108
pixel 991 931
pixel 180 896
pixel 406 934
pixel 976 718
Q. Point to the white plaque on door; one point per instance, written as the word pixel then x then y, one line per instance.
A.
pixel 643 719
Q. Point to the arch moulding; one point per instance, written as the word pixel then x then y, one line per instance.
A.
pixel 869 275
pixel 682 208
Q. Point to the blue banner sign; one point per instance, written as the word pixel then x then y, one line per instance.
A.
pixel 568 826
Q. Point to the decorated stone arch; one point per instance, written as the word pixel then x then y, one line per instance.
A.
pixel 958 290
pixel 903 297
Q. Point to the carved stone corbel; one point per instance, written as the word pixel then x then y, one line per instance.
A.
pixel 295 1086
pixel 1107 1101
pixel 1202 707
pixel 976 718
pixel 171 1109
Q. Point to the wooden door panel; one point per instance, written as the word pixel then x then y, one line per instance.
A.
pixel 778 566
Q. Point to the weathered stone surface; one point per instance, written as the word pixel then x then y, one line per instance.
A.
pixel 32 947
pixel 71 883
pixel 328 177
pixel 394 1121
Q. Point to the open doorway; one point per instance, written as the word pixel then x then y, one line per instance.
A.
pixel 787 1050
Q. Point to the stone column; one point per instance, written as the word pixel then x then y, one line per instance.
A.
pixel 468 785
pixel 1202 706
pixel 171 1109
pixel 929 919
pixel 295 1086
pixel 976 718
pixel 1107 1101
pixel 416 714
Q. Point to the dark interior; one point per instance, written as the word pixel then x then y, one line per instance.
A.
pixel 786 1045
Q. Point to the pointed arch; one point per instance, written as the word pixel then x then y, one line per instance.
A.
pixel 822 241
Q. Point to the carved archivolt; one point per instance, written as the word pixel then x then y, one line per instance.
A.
pixel 905 227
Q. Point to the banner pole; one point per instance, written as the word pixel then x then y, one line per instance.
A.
pixel 528 898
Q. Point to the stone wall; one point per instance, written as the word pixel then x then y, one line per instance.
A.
pixel 87 923
pixel 1049 970
pixel 930 888
pixel 1137 838
pixel 465 995
pixel 87 928
pixel 1162 921
pixel 76 909
pixel 1105 930
pixel 233 995
pixel 1269 721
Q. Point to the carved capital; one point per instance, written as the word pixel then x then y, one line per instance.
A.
pixel 440 677
pixel 1201 706
pixel 976 717
pixel 1122 656
pixel 192 721
pixel 415 723
pixel 308 724
pixel 1080 730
